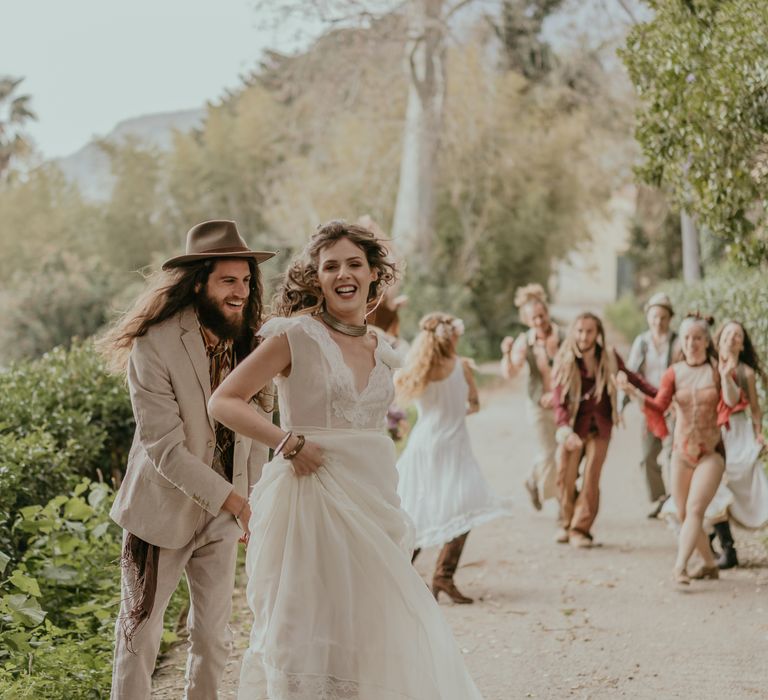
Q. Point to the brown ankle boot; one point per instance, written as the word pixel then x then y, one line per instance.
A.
pixel 447 563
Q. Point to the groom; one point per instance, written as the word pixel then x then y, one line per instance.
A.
pixel 183 502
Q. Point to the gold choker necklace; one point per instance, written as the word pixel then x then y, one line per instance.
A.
pixel 346 328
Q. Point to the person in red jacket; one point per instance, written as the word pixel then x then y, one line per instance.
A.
pixel 586 409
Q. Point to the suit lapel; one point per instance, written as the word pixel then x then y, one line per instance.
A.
pixel 193 343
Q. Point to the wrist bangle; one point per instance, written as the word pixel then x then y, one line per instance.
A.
pixel 281 444
pixel 295 450
pixel 240 512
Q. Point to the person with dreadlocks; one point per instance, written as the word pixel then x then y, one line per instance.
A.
pixel 586 409
pixel 705 395
pixel 183 502
pixel 441 486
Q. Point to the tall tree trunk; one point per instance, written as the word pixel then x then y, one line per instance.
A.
pixel 413 225
pixel 691 252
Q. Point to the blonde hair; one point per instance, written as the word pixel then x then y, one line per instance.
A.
pixel 432 344
pixel 529 294
pixel 565 361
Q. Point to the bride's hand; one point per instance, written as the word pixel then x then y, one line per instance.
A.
pixel 309 459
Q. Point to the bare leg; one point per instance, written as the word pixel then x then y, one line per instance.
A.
pixel 703 483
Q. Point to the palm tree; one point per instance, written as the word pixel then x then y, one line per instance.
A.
pixel 14 112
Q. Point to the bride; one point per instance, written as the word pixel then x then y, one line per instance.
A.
pixel 340 613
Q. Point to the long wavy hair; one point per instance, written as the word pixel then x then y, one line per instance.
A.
pixel 748 354
pixel 526 297
pixel 300 292
pixel 167 293
pixel 565 361
pixel 432 345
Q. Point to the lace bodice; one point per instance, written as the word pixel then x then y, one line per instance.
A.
pixel 320 390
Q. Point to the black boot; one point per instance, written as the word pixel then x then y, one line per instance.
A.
pixel 728 558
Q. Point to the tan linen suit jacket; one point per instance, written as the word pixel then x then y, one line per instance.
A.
pixel 169 481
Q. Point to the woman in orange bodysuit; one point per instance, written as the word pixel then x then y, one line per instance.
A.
pixel 703 391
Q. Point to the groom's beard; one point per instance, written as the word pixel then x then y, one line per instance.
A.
pixel 214 319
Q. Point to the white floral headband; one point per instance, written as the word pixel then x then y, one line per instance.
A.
pixel 445 329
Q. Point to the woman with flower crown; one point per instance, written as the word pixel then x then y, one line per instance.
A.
pixel 340 613
pixel 441 485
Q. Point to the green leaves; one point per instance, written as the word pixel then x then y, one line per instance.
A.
pixel 24 609
pixel 701 72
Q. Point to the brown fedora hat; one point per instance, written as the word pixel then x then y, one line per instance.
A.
pixel 216 239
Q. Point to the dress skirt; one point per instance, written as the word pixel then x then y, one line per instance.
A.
pixel 340 613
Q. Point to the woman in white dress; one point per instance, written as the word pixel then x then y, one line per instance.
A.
pixel 340 614
pixel 441 485
pixel 743 441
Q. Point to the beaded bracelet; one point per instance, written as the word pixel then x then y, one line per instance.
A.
pixel 282 442
pixel 295 450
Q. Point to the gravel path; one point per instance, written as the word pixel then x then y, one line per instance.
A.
pixel 554 622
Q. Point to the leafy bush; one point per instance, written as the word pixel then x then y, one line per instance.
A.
pixel 58 606
pixel 626 316
pixel 62 417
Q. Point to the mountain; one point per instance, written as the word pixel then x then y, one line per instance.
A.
pixel 89 166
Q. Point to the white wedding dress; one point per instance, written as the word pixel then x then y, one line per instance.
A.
pixel 441 485
pixel 340 613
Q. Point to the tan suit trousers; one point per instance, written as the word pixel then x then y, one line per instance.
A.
pixel 544 471
pixel 208 560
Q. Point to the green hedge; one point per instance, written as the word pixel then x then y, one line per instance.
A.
pixel 59 602
pixel 62 417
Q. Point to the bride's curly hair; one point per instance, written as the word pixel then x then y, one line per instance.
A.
pixel 299 291
pixel 432 344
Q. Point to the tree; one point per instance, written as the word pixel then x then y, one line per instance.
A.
pixel 655 246
pixel 519 29
pixel 700 68
pixel 15 111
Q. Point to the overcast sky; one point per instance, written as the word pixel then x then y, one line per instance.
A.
pixel 89 64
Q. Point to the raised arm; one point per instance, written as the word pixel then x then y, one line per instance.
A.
pixel 513 355
pixel 728 386
pixel 634 378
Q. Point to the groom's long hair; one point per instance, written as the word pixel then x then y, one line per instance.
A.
pixel 167 293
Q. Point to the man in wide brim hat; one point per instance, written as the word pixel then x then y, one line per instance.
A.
pixel 183 501
pixel 218 238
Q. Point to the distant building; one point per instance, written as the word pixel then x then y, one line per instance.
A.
pixel 598 271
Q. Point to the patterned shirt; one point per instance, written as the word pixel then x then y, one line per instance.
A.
pixel 221 361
